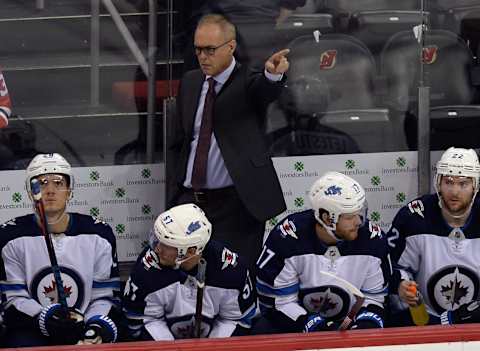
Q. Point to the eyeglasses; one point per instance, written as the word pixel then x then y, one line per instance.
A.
pixel 59 182
pixel 209 50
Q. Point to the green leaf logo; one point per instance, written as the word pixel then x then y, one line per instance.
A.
pixel 401 162
pixel 375 180
pixel 350 164
pixel 94 176
pixel 146 209
pixel 401 197
pixel 298 166
pixel 375 216
pixel 120 228
pixel 16 197
pixel 273 221
pixel 120 192
pixel 146 173
pixel 94 212
pixel 299 202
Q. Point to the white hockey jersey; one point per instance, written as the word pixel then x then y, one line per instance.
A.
pixel 288 280
pixel 162 300
pixel 444 261
pixel 86 254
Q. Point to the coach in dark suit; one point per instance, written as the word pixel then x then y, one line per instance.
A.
pixel 218 146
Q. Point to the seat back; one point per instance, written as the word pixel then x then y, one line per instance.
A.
pixel 447 66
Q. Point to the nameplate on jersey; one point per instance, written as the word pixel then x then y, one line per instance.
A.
pixel 416 206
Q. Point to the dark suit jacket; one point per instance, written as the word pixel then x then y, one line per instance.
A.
pixel 238 127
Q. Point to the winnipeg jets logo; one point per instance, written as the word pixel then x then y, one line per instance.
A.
pixel 375 230
pixel 451 287
pixel 287 228
pixel 229 258
pixel 150 260
pixel 416 206
pixel 51 293
pixel 330 301
pixel 193 227
pixel 333 190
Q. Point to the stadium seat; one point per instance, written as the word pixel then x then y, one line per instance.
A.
pixel 303 24
pixel 448 65
pixel 465 21
pixel 331 91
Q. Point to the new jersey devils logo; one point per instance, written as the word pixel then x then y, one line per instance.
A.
pixel 429 54
pixel 328 59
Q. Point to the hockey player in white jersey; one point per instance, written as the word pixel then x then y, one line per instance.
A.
pixel 161 299
pixel 333 237
pixel 85 250
pixel 435 242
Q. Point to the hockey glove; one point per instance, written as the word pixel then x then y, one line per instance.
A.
pixel 467 313
pixel 367 320
pixel 62 329
pixel 100 329
pixel 314 322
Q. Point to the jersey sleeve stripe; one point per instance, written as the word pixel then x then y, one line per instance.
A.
pixel 106 284
pixel 285 291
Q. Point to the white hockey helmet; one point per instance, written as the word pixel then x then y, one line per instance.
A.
pixel 47 164
pixel 337 194
pixel 458 162
pixel 182 227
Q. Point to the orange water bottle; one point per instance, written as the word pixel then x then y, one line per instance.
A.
pixel 419 311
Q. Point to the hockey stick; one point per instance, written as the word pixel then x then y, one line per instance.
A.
pixel 360 298
pixel 202 265
pixel 37 199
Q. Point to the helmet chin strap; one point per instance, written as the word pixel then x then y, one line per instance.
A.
pixel 330 231
pixel 178 262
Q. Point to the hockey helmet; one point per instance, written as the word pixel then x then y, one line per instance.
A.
pixel 47 164
pixel 182 227
pixel 337 194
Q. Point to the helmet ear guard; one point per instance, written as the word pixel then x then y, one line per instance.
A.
pixel 182 227
pixel 457 162
pixel 337 194
pixel 49 164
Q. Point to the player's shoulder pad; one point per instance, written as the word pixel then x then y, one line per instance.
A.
pixel 86 224
pixel 418 207
pixel 225 268
pixel 372 239
pixel 18 227
pixel 150 278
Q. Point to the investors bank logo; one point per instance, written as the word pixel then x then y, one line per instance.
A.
pixel 120 193
pixel 401 162
pixel 297 171
pixel 376 181
pixel 352 168
pixel 146 173
pixel 94 212
pixel 401 197
pixel 299 202
pixel 94 181
pixel 350 164
pixel 375 216
pixel 298 166
pixel 16 197
pixel 146 209
pixel 120 228
pixel 273 222
pixel 145 176
pixel 94 176
pixel 400 166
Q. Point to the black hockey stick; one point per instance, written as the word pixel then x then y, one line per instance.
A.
pixel 202 265
pixel 37 199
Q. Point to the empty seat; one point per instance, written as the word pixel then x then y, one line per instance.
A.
pixel 447 67
pixel 465 21
pixel 330 92
pixel 303 24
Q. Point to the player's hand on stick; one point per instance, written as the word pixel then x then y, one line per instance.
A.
pixel 63 327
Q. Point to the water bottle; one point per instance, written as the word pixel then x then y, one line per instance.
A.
pixel 419 311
